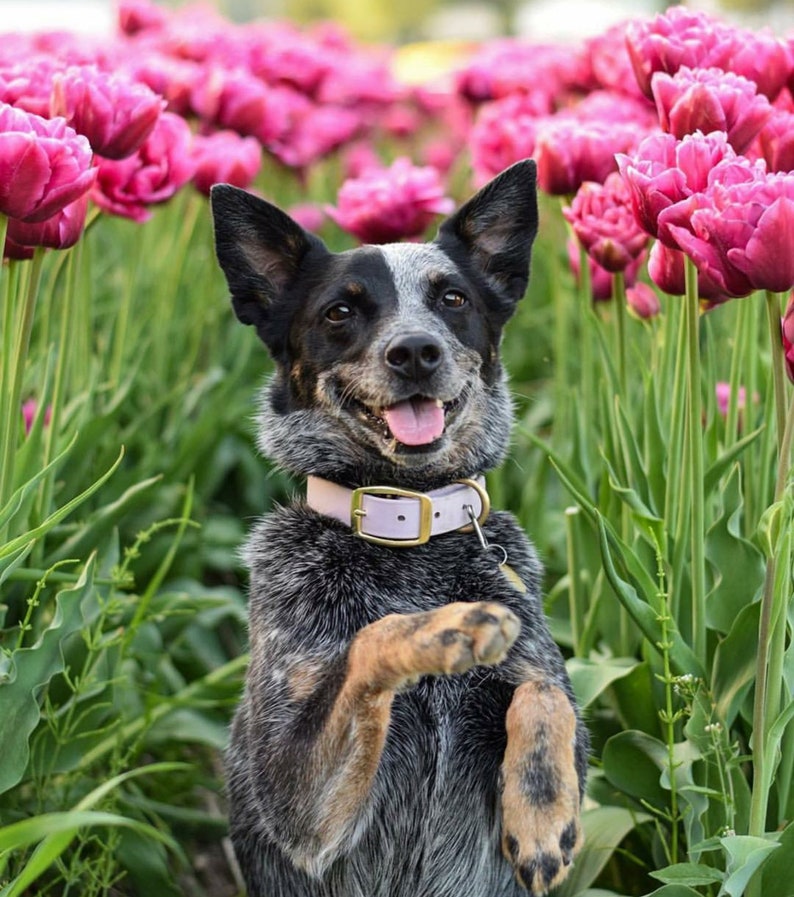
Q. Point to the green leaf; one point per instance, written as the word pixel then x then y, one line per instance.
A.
pixel 745 856
pixel 604 829
pixel 590 678
pixel 677 890
pixel 734 663
pixel 633 762
pixel 692 874
pixel 31 669
pixel 775 873
pixel 723 463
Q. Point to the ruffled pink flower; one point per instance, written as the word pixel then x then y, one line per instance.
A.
pixel 392 203
pixel 683 37
pixel 128 187
pixel 610 63
pixel 310 215
pixel 314 133
pixel 722 393
pixel 570 152
pixel 225 158
pixel 503 133
pixel 663 171
pixel 44 165
pixel 787 335
pixel 60 231
pixel 30 409
pixel 666 270
pixel 114 113
pixel 28 85
pixel 710 100
pixel 775 143
pixel 642 301
pixel 603 221
pixel 173 79
pixel 602 282
pixel 140 15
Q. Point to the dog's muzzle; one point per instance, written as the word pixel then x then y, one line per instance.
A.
pixel 401 518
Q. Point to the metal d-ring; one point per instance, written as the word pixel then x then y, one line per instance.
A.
pixel 486 545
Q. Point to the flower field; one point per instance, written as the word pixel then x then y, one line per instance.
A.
pixel 650 363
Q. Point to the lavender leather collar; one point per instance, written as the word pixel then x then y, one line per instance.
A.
pixel 401 518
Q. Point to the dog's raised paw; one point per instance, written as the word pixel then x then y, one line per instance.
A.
pixel 460 636
pixel 543 856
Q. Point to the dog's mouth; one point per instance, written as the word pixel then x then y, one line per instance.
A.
pixel 414 422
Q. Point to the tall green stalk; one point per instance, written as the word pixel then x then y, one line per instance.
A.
pixel 694 450
pixel 20 326
pixel 619 300
pixel 774 619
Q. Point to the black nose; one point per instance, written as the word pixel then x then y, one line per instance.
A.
pixel 413 355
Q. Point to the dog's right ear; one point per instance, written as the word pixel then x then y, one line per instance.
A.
pixel 260 250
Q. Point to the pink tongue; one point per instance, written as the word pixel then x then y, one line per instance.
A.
pixel 415 421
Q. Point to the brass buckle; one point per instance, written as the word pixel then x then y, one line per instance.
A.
pixel 357 515
pixel 485 501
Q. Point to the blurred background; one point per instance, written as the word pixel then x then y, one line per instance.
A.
pixel 395 22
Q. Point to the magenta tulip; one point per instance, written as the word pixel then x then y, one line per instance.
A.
pixel 60 231
pixel 775 143
pixel 787 334
pixel 391 203
pixel 642 301
pixel 28 85
pixel 602 282
pixel 503 133
pixel 570 152
pixel 314 133
pixel 113 112
pixel 140 15
pixel 128 187
pixel 666 270
pixel 225 157
pixel 710 100
pixel 603 221
pixel 44 165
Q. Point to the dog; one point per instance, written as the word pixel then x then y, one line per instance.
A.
pixel 407 727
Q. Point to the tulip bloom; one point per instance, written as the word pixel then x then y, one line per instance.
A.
pixel 681 37
pixel 391 203
pixel 787 334
pixel 163 164
pixel 44 165
pixel 642 301
pixel 710 100
pixel 504 133
pixel 113 112
pixel 60 231
pixel 28 85
pixel 315 132
pixel 570 152
pixel 225 157
pixel 602 282
pixel 603 221
pixel 666 270
pixel 775 143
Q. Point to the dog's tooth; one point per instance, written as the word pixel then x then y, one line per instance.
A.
pixel 439 403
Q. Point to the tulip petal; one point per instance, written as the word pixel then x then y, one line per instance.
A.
pixel 767 260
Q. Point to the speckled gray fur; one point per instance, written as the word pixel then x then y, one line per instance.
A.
pixel 430 822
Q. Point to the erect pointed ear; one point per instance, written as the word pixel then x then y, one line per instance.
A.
pixel 496 227
pixel 260 250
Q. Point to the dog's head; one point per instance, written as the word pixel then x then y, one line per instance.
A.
pixel 387 357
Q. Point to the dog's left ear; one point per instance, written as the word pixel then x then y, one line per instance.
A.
pixel 495 229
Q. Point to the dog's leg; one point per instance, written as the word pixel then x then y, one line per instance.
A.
pixel 540 797
pixel 386 656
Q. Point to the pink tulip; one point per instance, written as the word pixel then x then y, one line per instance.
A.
pixel 666 270
pixel 310 215
pixel 388 204
pixel 710 100
pixel 28 85
pixel 30 409
pixel 113 112
pixel 503 133
pixel 225 157
pixel 682 37
pixel 153 174
pixel 787 334
pixel 603 221
pixel 570 152
pixel 775 143
pixel 722 393
pixel 602 282
pixel 140 15
pixel 60 231
pixel 44 165
pixel 642 301
pixel 741 233
pixel 172 79
pixel 610 62
pixel 663 171
pixel 314 133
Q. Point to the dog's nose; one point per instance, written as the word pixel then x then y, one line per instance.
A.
pixel 413 355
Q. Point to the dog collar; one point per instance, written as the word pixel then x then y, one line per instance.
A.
pixel 401 518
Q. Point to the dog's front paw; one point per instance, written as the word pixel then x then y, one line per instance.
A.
pixel 460 636
pixel 540 787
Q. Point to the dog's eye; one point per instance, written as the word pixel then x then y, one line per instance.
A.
pixel 453 299
pixel 339 312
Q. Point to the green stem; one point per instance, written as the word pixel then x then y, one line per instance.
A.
pixel 771 644
pixel 743 309
pixel 619 298
pixel 694 451
pixel 586 340
pixel 576 598
pixel 16 371
pixel 778 363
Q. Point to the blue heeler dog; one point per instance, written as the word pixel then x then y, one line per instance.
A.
pixel 408 728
